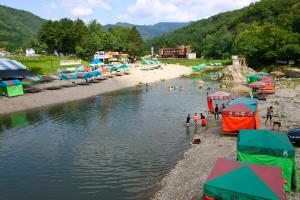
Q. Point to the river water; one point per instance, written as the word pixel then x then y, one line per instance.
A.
pixel 112 146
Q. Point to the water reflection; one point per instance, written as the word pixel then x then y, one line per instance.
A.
pixel 113 146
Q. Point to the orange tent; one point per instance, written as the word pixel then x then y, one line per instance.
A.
pixel 240 116
pixel 217 96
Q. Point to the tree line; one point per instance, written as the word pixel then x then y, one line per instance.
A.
pixel 70 37
pixel 264 32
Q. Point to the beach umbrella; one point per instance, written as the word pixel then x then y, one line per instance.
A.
pixel 277 73
pixel 123 66
pixel 104 70
pixel 32 79
pixel 53 77
pixel 257 85
pixel 113 68
pixel 241 89
pixel 196 68
pixel 80 69
pixel 96 73
pixel 73 76
pixel 235 180
pixel 243 100
pixel 267 79
pixel 87 75
pixel 263 73
pixel 64 77
pixel 10 69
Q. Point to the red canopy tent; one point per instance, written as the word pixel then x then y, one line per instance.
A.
pixel 217 96
pixel 240 116
pixel 268 89
pixel 277 73
pixel 257 85
pixel 226 178
pixel 266 79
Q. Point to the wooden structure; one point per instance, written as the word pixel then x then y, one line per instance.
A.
pixel 177 52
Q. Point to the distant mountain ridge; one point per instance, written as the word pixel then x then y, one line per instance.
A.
pixel 17 27
pixel 151 31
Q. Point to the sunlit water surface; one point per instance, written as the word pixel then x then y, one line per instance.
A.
pixel 112 146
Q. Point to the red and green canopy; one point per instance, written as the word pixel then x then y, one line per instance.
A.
pixel 235 180
pixel 270 148
pixel 220 95
pixel 240 110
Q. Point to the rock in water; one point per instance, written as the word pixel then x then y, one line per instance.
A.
pixel 236 73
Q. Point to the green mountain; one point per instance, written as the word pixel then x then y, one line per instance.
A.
pixel 150 31
pixel 264 32
pixel 17 27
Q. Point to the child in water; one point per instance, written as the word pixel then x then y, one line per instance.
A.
pixel 203 120
pixel 188 118
pixel 181 88
pixel 196 118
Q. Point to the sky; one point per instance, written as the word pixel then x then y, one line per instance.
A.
pixel 131 11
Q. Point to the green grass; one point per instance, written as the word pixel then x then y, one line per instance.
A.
pixel 193 62
pixel 45 64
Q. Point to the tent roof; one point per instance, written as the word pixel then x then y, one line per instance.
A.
pixel 10 83
pixel 220 95
pixel 243 100
pixel 96 61
pixel 250 180
pixel 265 142
pixel 240 110
pixel 8 64
pixel 258 84
pixel 12 69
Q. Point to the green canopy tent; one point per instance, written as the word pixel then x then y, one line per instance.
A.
pixel 11 88
pixel 269 148
pixel 234 180
pixel 251 78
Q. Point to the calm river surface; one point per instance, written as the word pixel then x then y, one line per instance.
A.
pixel 113 146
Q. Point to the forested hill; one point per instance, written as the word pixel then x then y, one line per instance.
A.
pixel 150 31
pixel 264 32
pixel 17 27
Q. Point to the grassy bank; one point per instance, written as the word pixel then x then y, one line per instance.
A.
pixel 193 62
pixel 45 64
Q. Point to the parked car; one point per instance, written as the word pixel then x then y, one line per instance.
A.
pixel 294 136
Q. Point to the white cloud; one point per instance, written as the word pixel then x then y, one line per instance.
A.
pixel 81 11
pixel 78 8
pixel 152 11
pixel 50 6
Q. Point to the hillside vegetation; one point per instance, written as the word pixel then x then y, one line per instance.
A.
pixel 150 31
pixel 17 27
pixel 264 32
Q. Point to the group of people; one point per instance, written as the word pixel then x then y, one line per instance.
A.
pixel 195 119
pixel 218 110
pixel 174 87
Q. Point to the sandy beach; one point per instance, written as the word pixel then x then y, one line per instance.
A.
pixel 30 101
pixel 186 179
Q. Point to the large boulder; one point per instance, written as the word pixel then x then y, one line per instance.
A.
pixel 236 73
pixel 292 72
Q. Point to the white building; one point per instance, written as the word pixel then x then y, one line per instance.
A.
pixel 30 52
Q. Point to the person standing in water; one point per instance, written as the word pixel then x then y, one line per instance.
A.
pixel 188 118
pixel 196 118
pixel 203 120
pixel 216 112
pixel 269 114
